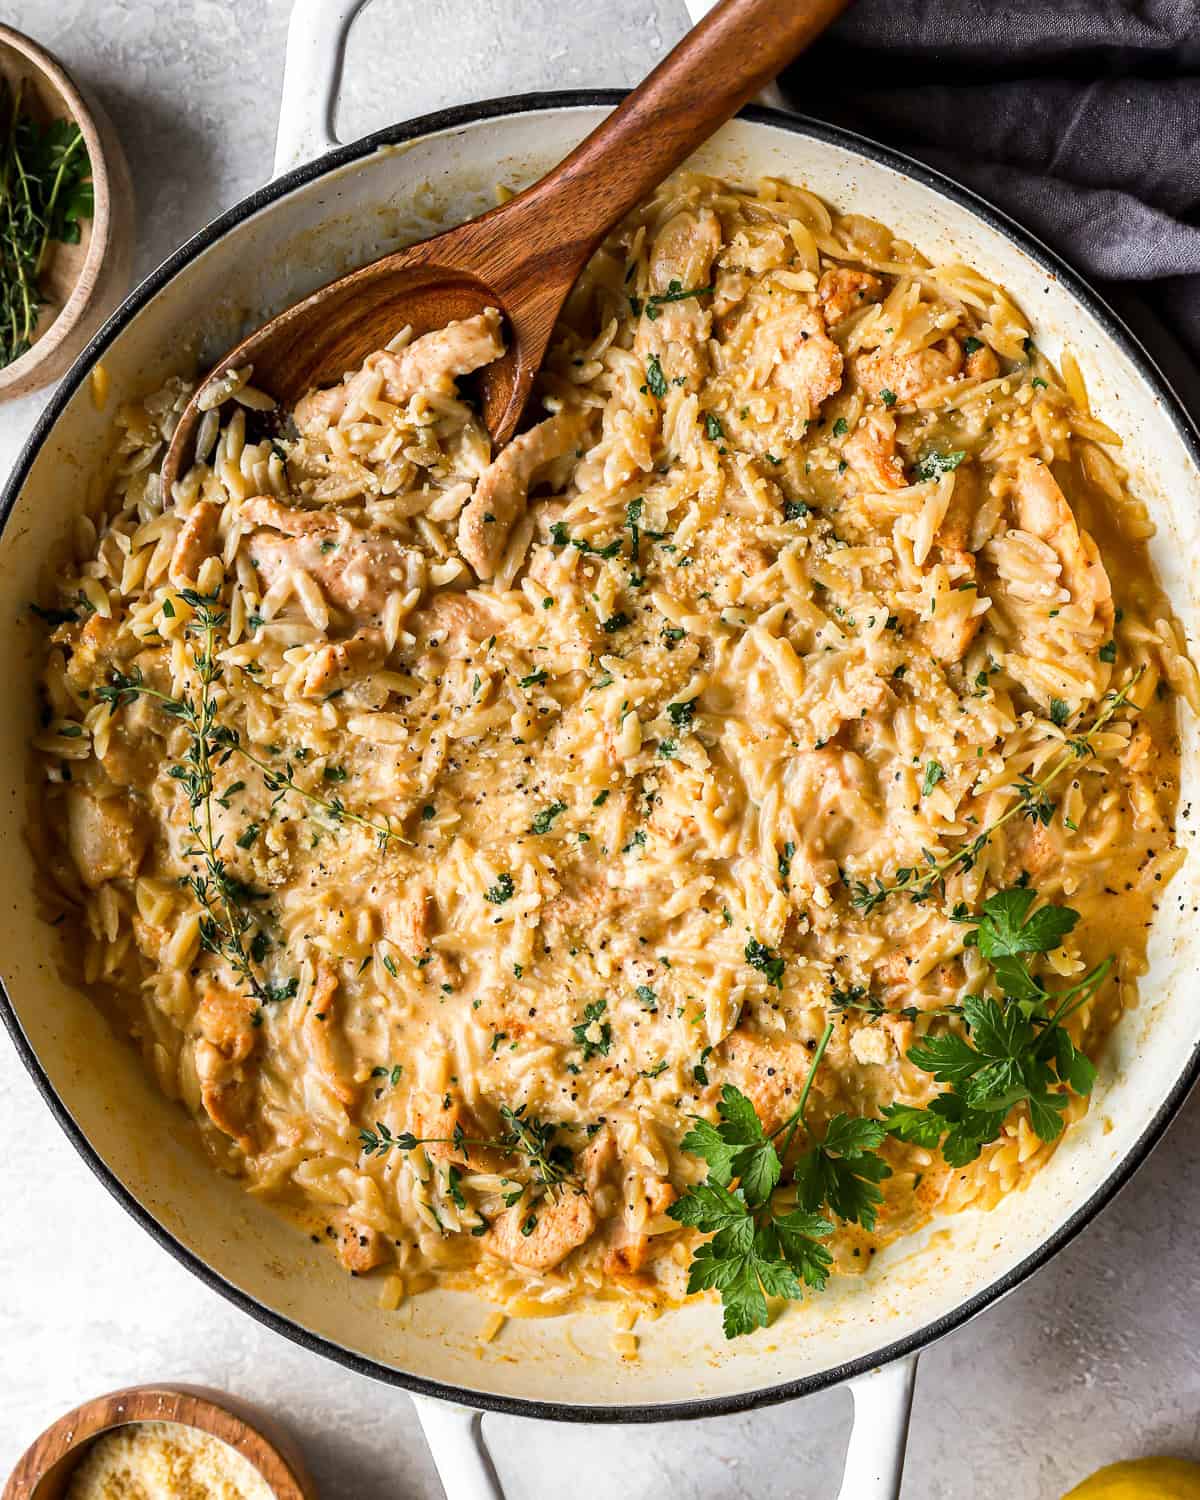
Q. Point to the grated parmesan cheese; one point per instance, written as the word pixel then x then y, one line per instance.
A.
pixel 165 1461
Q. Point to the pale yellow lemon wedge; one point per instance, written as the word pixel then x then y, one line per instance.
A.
pixel 1142 1479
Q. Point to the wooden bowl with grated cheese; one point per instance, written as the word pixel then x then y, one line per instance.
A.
pixel 208 1444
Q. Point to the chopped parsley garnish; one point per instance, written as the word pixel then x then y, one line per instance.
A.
pixel 769 964
pixel 1108 652
pixel 934 772
pixel 681 714
pixel 712 427
pixel 535 679
pixel 933 463
pixel 593 1035
pixel 1060 712
pixel 649 1000
pixel 675 292
pixel 502 891
pixel 656 381
pixel 888 398
pixel 841 427
pixel 794 510
pixel 543 820
pixel 615 622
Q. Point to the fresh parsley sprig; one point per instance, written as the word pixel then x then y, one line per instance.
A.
pixel 756 1251
pixel 1017 1051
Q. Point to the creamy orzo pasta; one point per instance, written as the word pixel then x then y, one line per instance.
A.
pixel 448 828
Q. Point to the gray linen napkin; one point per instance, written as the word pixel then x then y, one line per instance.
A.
pixel 1080 118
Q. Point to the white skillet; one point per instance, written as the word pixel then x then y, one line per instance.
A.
pixel 330 208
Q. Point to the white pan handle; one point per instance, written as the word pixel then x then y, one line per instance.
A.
pixel 460 1455
pixel 312 78
pixel 879 1433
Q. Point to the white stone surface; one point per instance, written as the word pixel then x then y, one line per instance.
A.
pixel 1094 1360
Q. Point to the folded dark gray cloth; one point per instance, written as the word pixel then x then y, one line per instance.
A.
pixel 1080 118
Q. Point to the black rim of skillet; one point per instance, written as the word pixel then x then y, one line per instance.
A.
pixel 709 1406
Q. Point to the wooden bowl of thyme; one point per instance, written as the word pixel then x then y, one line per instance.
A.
pixel 66 217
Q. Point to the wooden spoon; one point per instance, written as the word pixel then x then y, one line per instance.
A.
pixel 525 256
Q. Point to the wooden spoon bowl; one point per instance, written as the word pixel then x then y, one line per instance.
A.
pixel 44 1471
pixel 83 282
pixel 525 256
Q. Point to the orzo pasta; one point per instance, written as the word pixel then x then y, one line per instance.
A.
pixel 448 828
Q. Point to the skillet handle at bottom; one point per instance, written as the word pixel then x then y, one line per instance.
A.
pixel 879 1432
pixel 460 1455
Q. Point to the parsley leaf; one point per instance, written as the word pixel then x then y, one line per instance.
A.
pixel 655 379
pixel 543 820
pixel 769 964
pixel 1005 931
pixel 754 1253
pixel 933 463
pixel 843 1172
pixel 598 1044
pixel 502 891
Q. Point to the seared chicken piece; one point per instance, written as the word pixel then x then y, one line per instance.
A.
pixel 802 358
pixel 909 376
pixel 197 541
pixel 681 260
pixel 430 363
pixel 841 290
pixel 562 1225
pixel 107 836
pixel 356 570
pixel 502 493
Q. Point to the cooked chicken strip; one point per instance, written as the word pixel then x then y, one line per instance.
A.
pixel 502 492
pixel 430 363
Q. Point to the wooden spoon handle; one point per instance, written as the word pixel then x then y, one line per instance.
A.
pixel 719 66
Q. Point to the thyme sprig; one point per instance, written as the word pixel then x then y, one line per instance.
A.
pixel 227 924
pixel 1032 802
pixel 45 194
pixel 281 782
pixel 525 1136
pixel 125 687
pixel 223 899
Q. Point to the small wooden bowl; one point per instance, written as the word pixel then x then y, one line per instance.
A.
pixel 84 282
pixel 45 1469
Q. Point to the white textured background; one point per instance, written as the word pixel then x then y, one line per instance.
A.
pixel 1094 1360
